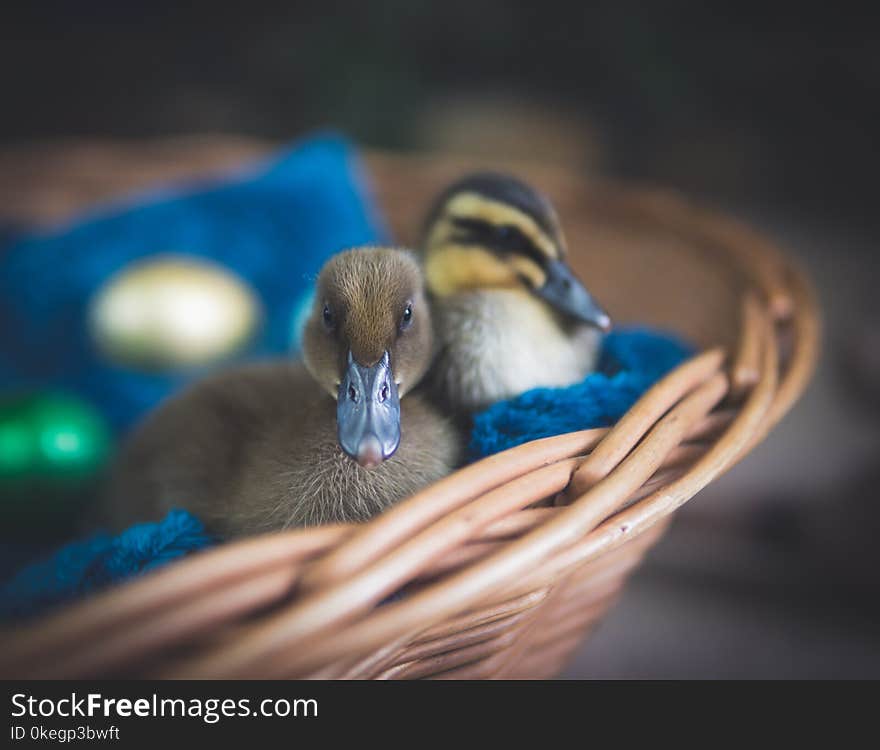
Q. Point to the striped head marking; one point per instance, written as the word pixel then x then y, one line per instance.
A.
pixel 491 230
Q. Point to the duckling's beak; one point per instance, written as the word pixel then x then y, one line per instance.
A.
pixel 368 412
pixel 567 294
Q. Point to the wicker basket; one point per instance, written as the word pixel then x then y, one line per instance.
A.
pixel 474 577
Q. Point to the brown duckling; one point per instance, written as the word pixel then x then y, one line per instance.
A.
pixel 337 438
pixel 509 313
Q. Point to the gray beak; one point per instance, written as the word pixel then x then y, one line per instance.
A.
pixel 368 412
pixel 567 294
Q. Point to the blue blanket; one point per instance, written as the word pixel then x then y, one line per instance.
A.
pixel 84 566
pixel 631 361
pixel 274 226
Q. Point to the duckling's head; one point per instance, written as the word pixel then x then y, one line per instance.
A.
pixel 367 342
pixel 491 230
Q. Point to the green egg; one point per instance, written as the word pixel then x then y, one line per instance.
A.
pixel 52 449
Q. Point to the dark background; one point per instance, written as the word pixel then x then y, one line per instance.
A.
pixel 777 101
pixel 767 112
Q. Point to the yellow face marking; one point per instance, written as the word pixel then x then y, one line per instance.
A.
pixel 475 206
pixel 451 266
pixel 454 268
pixel 527 269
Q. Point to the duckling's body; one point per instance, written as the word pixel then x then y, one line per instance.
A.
pixel 282 444
pixel 255 449
pixel 510 315
pixel 497 343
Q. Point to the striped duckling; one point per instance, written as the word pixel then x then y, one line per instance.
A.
pixel 509 313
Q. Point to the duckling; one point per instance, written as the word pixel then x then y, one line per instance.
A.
pixel 510 314
pixel 336 438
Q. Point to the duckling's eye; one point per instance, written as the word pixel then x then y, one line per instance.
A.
pixel 329 320
pixel 407 317
pixel 504 233
pixel 511 239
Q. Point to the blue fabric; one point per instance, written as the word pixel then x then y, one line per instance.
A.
pixel 273 224
pixel 84 566
pixel 631 361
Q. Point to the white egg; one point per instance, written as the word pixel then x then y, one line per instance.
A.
pixel 172 311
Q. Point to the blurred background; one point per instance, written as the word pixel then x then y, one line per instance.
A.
pixel 770 115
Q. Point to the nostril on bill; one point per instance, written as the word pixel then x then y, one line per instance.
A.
pixel 383 392
pixel 352 393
